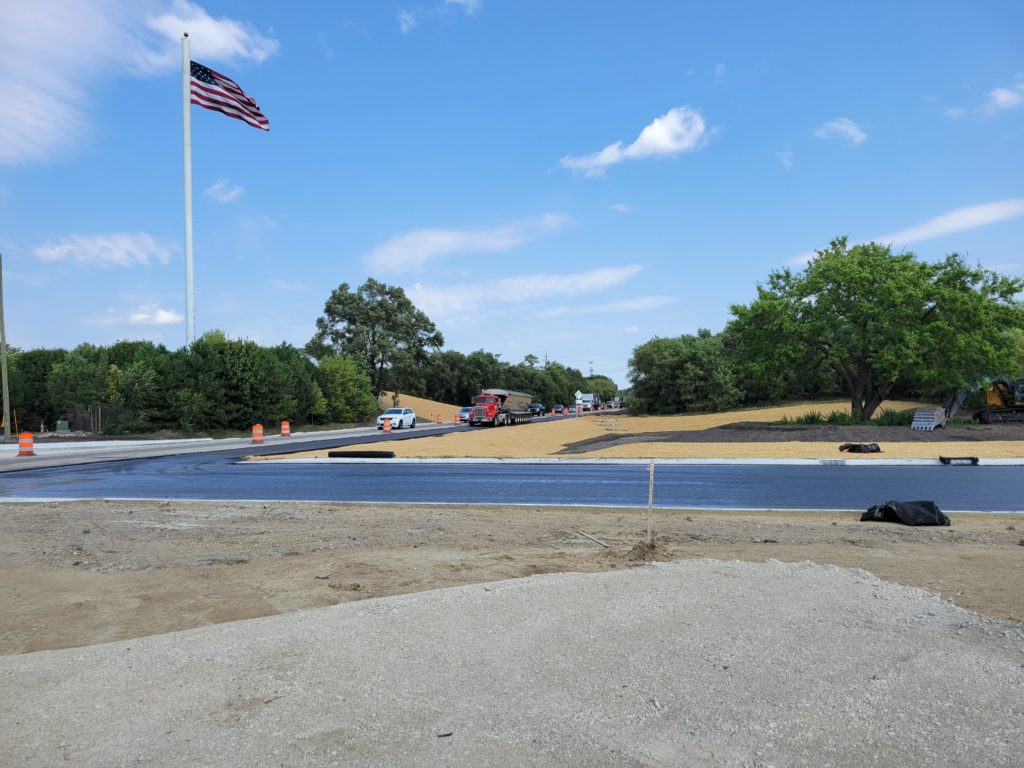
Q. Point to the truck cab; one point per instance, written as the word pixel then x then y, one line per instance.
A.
pixel 498 407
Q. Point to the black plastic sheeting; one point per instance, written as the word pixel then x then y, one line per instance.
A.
pixel 355 454
pixel 907 512
pixel 860 448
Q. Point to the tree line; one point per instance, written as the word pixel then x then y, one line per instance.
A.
pixel 859 321
pixel 370 340
pixel 217 384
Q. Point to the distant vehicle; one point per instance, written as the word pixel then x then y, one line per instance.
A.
pixel 537 409
pixel 400 417
pixel 465 413
pixel 558 409
pixel 496 407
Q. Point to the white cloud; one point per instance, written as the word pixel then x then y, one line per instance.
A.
pixel 406 21
pixel 628 305
pixel 224 192
pixel 146 314
pixel 413 250
pixel 469 6
pixel 1000 99
pixel 119 249
pixel 211 39
pixel 842 127
pixel 55 52
pixel 721 70
pixel 958 220
pixel 786 158
pixel 622 207
pixel 466 298
pixel 38 125
pixel 679 130
pixel 955 113
pixel 154 315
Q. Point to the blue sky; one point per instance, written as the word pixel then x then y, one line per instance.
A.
pixel 567 179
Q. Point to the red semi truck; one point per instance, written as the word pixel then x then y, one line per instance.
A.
pixel 496 407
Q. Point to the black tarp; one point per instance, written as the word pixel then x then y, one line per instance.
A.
pixel 907 512
pixel 860 448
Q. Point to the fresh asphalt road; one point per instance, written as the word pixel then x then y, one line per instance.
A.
pixel 219 476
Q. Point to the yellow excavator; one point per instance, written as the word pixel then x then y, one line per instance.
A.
pixel 1004 402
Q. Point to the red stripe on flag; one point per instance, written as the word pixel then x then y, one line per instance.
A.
pixel 225 96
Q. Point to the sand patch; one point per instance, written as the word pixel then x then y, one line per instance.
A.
pixel 426 410
pixel 553 439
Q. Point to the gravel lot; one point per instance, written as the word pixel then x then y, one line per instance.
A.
pixel 692 663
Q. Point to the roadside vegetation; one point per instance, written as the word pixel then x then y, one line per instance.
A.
pixel 887 417
pixel 859 321
pixel 369 340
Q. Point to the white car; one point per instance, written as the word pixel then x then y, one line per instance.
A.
pixel 400 417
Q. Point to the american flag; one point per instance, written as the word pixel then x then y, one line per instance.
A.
pixel 213 90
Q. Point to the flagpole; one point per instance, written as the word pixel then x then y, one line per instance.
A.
pixel 3 358
pixel 186 95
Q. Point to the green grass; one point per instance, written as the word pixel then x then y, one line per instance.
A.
pixel 885 418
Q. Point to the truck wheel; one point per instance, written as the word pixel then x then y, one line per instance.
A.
pixel 413 425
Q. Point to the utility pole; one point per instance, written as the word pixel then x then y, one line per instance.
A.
pixel 3 359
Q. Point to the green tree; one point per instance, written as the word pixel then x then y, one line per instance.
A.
pixel 31 399
pixel 876 318
pixel 377 324
pixel 301 385
pixel 78 383
pixel 347 391
pixel 565 382
pixel 1017 363
pixel 192 409
pixel 682 374
pixel 764 380
pixel 602 386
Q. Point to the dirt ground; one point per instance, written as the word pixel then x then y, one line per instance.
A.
pixel 77 573
pixel 731 435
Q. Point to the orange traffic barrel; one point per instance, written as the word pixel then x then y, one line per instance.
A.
pixel 25 444
pixel 387 425
pixel 286 428
pixel 257 434
pixel 455 419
